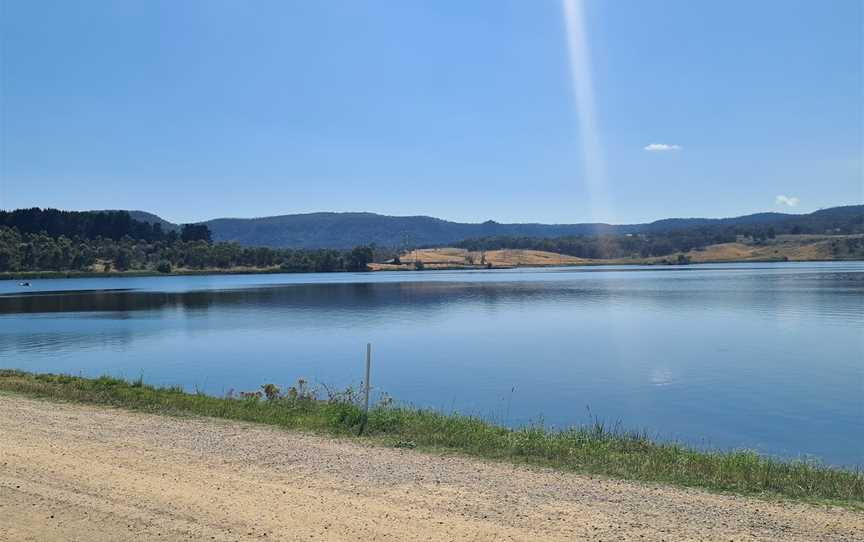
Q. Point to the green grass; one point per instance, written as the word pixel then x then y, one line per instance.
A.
pixel 35 275
pixel 593 449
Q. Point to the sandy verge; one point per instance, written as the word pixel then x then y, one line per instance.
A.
pixel 72 472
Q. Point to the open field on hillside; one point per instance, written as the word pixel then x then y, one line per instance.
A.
pixel 446 258
pixel 783 248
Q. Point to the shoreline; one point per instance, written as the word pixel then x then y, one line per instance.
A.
pixel 589 450
pixel 87 472
pixel 47 275
pixel 35 275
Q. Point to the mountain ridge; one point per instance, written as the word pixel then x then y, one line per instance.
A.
pixel 327 229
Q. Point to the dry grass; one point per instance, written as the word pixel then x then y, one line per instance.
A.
pixel 448 258
pixel 791 248
pixel 783 248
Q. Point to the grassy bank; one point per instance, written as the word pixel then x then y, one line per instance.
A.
pixel 594 449
pixel 32 275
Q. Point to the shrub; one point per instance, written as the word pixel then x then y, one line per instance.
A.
pixel 271 392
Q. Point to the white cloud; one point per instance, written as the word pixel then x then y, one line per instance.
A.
pixel 662 147
pixel 789 201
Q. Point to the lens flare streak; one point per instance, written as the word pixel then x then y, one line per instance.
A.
pixel 583 95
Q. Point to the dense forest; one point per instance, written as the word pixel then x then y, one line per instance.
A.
pixel 52 240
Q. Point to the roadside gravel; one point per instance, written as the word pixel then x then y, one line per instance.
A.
pixel 77 472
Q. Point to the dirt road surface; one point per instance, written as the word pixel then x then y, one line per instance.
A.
pixel 72 472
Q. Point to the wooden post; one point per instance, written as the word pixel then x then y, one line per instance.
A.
pixel 366 385
pixel 366 390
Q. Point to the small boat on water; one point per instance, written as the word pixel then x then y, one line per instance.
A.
pixel 23 284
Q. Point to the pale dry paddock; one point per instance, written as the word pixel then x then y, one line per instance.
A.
pixel 788 247
pixel 435 258
pixel 72 472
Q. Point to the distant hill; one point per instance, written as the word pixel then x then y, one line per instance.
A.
pixel 144 216
pixel 346 230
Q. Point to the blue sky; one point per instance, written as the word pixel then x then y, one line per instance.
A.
pixel 462 110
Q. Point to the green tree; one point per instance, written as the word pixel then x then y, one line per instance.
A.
pixel 360 258
pixel 10 255
pixel 195 232
pixel 122 260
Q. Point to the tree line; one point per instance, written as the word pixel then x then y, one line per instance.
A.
pixel 96 224
pixel 663 243
pixel 51 240
pixel 611 246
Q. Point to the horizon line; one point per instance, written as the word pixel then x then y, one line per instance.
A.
pixel 306 213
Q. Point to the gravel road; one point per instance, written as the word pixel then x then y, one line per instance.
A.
pixel 73 472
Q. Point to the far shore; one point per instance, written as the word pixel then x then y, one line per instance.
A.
pixel 374 268
pixel 382 267
pixel 34 275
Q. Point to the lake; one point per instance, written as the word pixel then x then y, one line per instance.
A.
pixel 768 357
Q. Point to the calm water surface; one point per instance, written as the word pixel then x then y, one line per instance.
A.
pixel 763 356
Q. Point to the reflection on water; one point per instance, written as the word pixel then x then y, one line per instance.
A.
pixel 769 357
